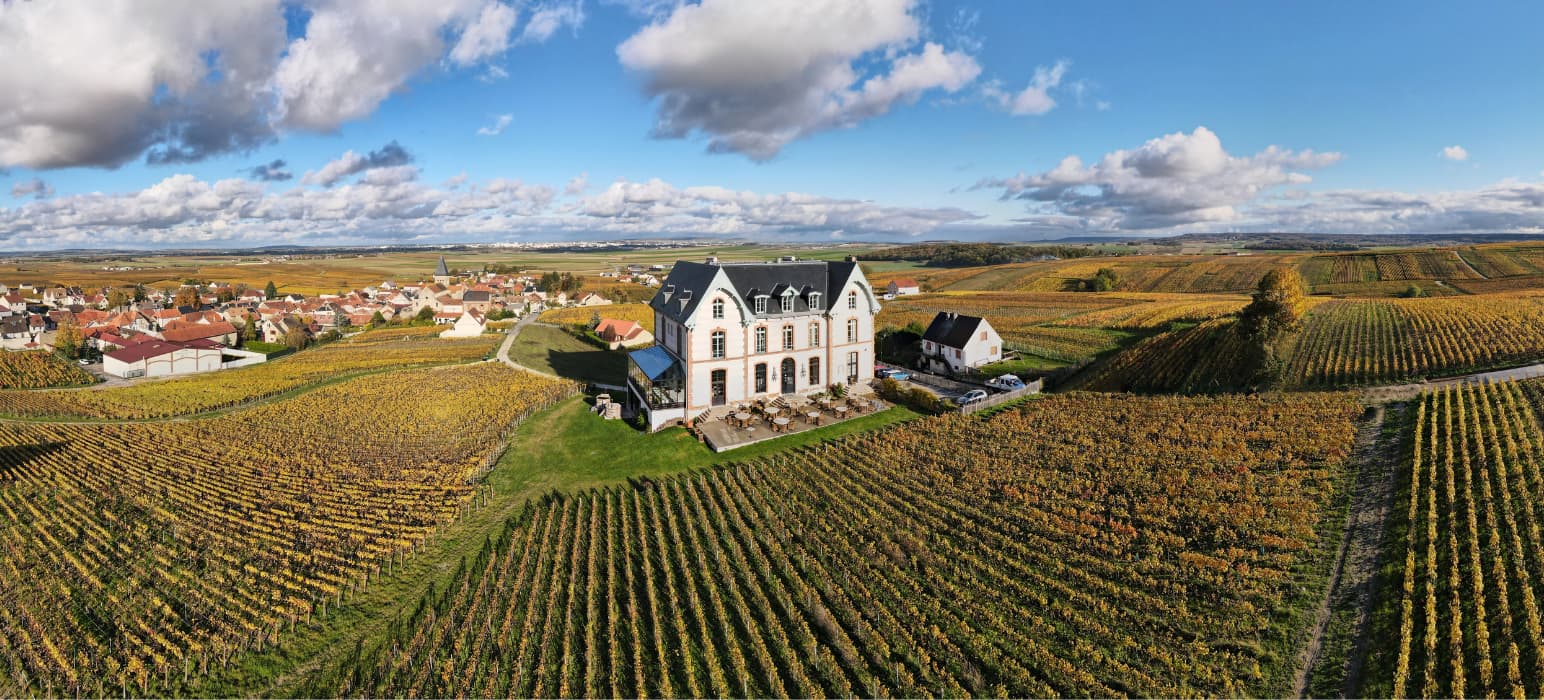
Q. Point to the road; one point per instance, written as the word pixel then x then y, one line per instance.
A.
pixel 1405 392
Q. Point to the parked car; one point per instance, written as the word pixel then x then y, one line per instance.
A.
pixel 899 375
pixel 970 397
pixel 1006 382
pixel 84 361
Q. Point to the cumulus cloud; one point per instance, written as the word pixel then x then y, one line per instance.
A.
pixel 107 82
pixel 1455 153
pixel 577 185
pixel 754 76
pixel 389 156
pixel 35 188
pixel 392 204
pixel 275 171
pixel 1171 181
pixel 1035 99
pixel 498 126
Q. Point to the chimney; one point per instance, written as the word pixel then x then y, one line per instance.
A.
pixel 712 259
pixel 852 258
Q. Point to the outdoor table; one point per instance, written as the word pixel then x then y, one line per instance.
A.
pixel 743 417
pixel 814 417
pixel 840 410
pixel 770 410
pixel 781 423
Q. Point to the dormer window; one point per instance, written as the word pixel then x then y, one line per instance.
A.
pixel 718 308
pixel 761 303
pixel 814 301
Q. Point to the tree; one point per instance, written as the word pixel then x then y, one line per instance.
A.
pixel 67 339
pixel 1414 291
pixel 594 320
pixel 297 338
pixel 425 314
pixel 377 320
pixel 117 299
pixel 270 291
pixel 1278 306
pixel 1104 280
pixel 139 293
pixel 187 296
pixel 249 330
pixel 225 295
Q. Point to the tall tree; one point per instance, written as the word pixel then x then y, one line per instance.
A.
pixel 67 340
pixel 270 291
pixel 1279 302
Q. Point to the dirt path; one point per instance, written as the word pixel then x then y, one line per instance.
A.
pixel 1406 392
pixel 1353 578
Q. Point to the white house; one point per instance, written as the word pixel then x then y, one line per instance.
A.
pixel 469 325
pixel 593 299
pixel 903 286
pixel 159 358
pixel 728 332
pixel 956 342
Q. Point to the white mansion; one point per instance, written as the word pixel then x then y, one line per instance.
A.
pixel 728 332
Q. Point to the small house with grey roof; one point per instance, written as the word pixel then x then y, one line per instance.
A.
pixel 731 332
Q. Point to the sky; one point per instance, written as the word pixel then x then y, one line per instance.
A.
pixel 242 123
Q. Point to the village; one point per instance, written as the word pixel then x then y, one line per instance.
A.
pixel 144 332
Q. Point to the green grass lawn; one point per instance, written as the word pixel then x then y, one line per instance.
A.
pixel 554 351
pixel 564 448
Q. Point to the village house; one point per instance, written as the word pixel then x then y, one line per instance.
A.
pixel 956 342
pixel 903 286
pixel 161 358
pixel 468 325
pixel 619 333
pixel 729 332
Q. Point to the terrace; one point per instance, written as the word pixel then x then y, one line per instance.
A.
pixel 729 427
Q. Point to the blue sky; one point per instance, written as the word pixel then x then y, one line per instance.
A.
pixel 812 119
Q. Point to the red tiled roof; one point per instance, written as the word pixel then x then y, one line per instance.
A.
pixel 193 331
pixel 904 282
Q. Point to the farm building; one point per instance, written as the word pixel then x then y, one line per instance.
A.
pixel 903 286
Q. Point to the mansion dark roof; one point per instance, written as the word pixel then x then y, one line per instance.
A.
pixel 952 330
pixel 688 283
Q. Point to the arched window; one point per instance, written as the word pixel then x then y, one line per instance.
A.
pixel 815 335
pixel 718 344
pixel 718 308
pixel 852 330
pixel 787 337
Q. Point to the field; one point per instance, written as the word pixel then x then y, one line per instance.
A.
pixel 581 315
pixel 1461 613
pixel 387 348
pixel 132 568
pixel 1060 559
pixel 39 370
pixel 1207 358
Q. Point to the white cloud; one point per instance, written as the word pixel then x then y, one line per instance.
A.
pixel 390 203
pixel 108 81
pixel 1455 153
pixel 485 37
pixel 498 126
pixel 389 156
pixel 547 19
pixel 1035 99
pixel 1174 180
pixel 577 185
pixel 105 81
pixel 35 188
pixel 754 76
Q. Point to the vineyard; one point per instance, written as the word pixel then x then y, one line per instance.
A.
pixel 1348 342
pixel 1387 267
pixel 38 370
pixel 1085 546
pixel 1208 358
pixel 1467 581
pixel 374 350
pixel 135 559
pixel 581 315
